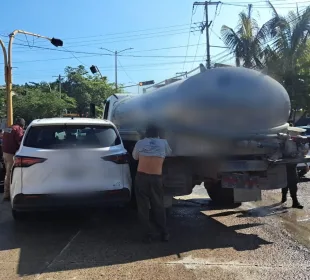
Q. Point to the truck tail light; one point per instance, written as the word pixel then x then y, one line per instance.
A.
pixel 21 161
pixel 118 158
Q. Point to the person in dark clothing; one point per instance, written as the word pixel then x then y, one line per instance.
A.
pixel 292 181
pixel 12 138
pixel 151 152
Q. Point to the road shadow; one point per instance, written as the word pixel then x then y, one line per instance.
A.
pixel 263 211
pixel 204 202
pixel 304 179
pixel 85 239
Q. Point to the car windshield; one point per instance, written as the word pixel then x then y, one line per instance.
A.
pixel 71 136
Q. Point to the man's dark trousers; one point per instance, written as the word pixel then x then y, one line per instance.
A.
pixel 149 192
pixel 292 181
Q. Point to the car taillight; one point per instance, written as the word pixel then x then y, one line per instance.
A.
pixel 21 161
pixel 119 158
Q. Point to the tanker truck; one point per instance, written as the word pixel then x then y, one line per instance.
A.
pixel 227 127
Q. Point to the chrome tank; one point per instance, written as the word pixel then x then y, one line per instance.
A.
pixel 222 102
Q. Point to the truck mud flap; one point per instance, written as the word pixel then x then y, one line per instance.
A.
pixel 245 195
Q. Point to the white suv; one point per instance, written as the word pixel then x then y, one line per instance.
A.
pixel 69 162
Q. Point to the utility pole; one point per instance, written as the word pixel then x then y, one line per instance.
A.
pixel 115 56
pixel 59 83
pixel 207 26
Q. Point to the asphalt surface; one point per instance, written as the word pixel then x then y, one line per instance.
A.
pixel 262 240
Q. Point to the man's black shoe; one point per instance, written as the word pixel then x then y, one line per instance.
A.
pixel 283 200
pixel 165 237
pixel 297 205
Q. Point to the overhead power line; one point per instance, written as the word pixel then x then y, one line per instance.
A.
pixel 133 67
pixel 126 72
pixel 127 32
pixel 264 1
pixel 196 50
pixel 89 43
pixel 189 36
pixel 93 54
pixel 107 54
pixel 279 6
pixel 136 51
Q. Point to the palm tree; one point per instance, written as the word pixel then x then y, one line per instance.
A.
pixel 247 43
pixel 289 45
pixel 287 56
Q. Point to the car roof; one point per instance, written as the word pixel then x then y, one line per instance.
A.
pixel 76 121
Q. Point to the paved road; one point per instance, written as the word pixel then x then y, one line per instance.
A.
pixel 255 241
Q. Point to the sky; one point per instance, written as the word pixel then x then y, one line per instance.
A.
pixel 157 31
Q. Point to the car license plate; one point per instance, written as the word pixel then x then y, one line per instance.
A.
pixel 242 181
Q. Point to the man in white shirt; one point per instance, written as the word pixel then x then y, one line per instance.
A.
pixel 151 152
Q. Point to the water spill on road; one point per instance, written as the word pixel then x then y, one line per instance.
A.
pixel 296 222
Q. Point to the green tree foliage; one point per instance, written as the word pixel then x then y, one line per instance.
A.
pixel 35 104
pixel 86 89
pixel 43 100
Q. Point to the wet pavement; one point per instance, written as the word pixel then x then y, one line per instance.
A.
pixel 263 240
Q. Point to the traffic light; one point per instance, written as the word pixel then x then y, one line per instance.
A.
pixel 146 83
pixel 93 69
pixel 57 42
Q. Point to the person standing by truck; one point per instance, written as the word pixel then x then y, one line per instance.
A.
pixel 292 181
pixel 292 174
pixel 151 152
pixel 12 138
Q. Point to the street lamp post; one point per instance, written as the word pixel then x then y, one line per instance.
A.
pixel 8 67
pixel 115 55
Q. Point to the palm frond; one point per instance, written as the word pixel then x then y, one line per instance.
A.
pixel 301 26
pixel 230 38
pixel 263 34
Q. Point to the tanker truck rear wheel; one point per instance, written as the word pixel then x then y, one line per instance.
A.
pixel 218 194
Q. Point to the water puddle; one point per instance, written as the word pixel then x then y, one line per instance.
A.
pixel 295 221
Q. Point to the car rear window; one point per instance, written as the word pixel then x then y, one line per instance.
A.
pixel 71 136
